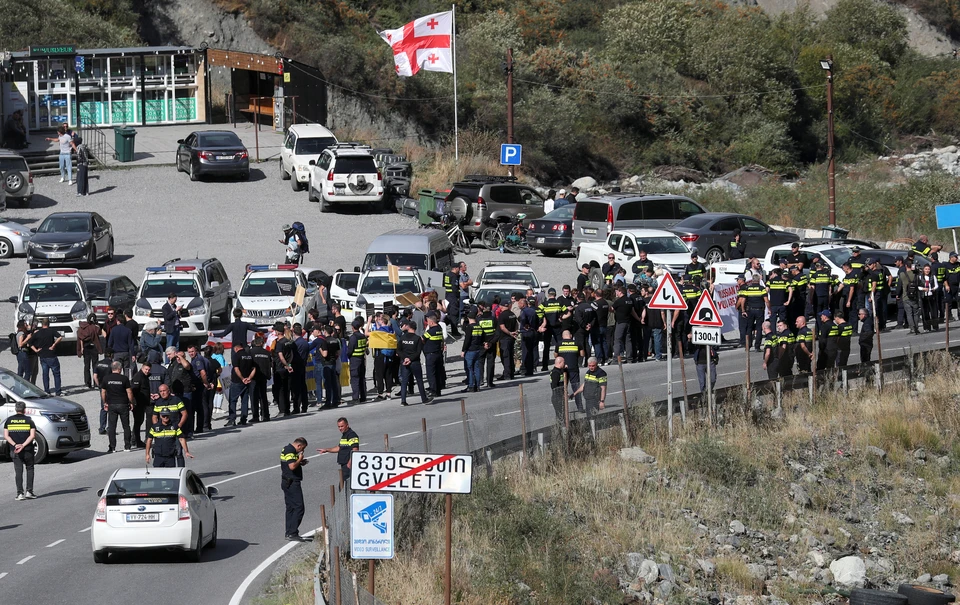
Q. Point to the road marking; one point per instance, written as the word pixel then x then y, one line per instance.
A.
pixel 453 423
pixel 263 470
pixel 406 434
pixel 25 559
pixel 238 595
pixel 3 575
pixel 55 543
pixel 508 413
pixel 85 529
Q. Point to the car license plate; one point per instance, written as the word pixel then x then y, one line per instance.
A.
pixel 539 240
pixel 225 157
pixel 85 437
pixel 590 231
pixel 57 255
pixel 265 321
pixel 142 517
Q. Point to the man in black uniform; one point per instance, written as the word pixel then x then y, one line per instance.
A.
pixel 771 359
pixel 624 311
pixel 264 364
pixel 866 335
pixel 856 260
pixel 737 248
pixel 803 350
pixel 641 265
pixel 879 284
pixel 570 352
pixel 357 352
pixel 844 336
pixel 779 291
pixel 349 442
pixel 238 329
pixel 244 371
pixel 752 301
pixel 163 439
pixel 491 337
pixel 690 291
pixel 822 285
pixel 550 311
pixel 19 433
pixel 409 348
pixel 433 348
pixel 558 382
pixel 283 353
pixel 118 401
pixel 695 271
pixel 507 330
pixel 451 287
pixel 291 474
pixel 100 373
pixel 786 342
pixel 798 299
pixel 953 281
pixel 327 344
pixel 923 247
pixel 610 269
pixel 585 317
pixel 584 278
pixel 850 298
pixel 529 324
pixel 795 259
pixel 140 384
pixel 827 341
pixel 594 387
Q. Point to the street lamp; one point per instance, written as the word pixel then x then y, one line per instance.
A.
pixel 827 66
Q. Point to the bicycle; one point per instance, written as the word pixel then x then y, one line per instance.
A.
pixel 507 236
pixel 452 226
pixel 493 236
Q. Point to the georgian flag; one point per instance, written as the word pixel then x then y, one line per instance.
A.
pixel 422 44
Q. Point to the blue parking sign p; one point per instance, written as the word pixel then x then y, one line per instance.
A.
pixel 510 154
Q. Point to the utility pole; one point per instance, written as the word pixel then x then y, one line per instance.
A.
pixel 509 70
pixel 827 66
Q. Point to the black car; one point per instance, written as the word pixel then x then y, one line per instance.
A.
pixel 554 232
pixel 213 152
pixel 70 238
pixel 711 233
pixel 105 292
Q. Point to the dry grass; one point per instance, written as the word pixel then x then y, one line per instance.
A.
pixel 292 586
pixel 557 524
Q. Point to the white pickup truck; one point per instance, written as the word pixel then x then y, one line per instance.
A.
pixel 833 254
pixel 665 250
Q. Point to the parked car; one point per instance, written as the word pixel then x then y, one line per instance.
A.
pixel 268 294
pixel 62 425
pixel 665 250
pixel 201 286
pixel 14 238
pixel 595 217
pixel 17 181
pixel 71 238
pixel 154 508
pixel 711 234
pixel 304 142
pixel 57 295
pixel 216 152
pixel 345 174
pixel 554 232
pixel 110 292
pixel 519 273
pixel 500 198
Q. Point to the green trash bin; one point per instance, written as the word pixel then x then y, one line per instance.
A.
pixel 123 142
pixel 428 203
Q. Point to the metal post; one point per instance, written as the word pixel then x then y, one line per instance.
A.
pixel 371 578
pixel 810 381
pixel 341 478
pixel 626 409
pixel 593 429
pixel 386 442
pixel 683 378
pixel 566 402
pixel 816 355
pixel 876 328
pixel 333 496
pixel 669 377
pixel 711 411
pixel 466 432
pixel 488 458
pixel 448 505
pixel 831 166
pixel 541 443
pixel 509 69
pixel 778 392
pixel 623 429
pixel 256 136
pixel 955 247
pixel 946 317
pixel 747 377
pixel 336 571
pixel 423 429
pixel 844 381
pixel 523 430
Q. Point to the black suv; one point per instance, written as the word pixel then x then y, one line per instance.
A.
pixel 501 198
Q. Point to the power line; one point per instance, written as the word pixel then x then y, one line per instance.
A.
pixel 365 94
pixel 661 96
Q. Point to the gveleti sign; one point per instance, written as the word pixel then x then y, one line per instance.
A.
pixel 396 472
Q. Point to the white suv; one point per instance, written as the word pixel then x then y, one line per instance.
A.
pixel 345 174
pixel 59 295
pixel 375 288
pixel 304 142
pixel 201 286
pixel 268 294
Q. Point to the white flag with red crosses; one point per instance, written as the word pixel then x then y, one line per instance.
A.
pixel 425 43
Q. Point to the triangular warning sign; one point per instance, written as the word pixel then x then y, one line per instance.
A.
pixel 705 313
pixel 667 296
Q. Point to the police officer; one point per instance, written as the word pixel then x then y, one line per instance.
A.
pixel 529 324
pixel 752 302
pixel 433 348
pixel 798 300
pixel 357 351
pixel 163 439
pixel 821 286
pixel 803 349
pixel 779 291
pixel 451 287
pixel 827 339
pixel 771 345
pixel 349 442
pixel 507 331
pixel 939 270
pixel 690 290
pixel 695 270
pixel 488 357
pixel 409 349
pixel 952 287
pixel 923 247
pixel 570 352
pixel 594 387
pixel 856 260
pixel 879 283
pixel 737 248
pixel 19 433
pixel 844 337
pixel 291 475
pixel 851 298
pixel 264 363
pixel 786 348
pixel 795 259
pixel 100 373
pixel 549 311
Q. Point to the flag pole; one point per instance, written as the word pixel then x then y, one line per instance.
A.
pixel 453 44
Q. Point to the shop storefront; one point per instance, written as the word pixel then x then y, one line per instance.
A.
pixel 106 87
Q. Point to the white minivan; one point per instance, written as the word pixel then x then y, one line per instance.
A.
pixel 304 142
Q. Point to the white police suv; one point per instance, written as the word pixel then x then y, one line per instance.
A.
pixel 201 287
pixel 58 295
pixel 270 293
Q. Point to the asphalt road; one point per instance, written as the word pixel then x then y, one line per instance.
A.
pixel 158 214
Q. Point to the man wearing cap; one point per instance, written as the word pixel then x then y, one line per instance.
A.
pixel 923 247
pixel 952 282
pixel 473 348
pixel 690 291
pixel 561 200
pixel 409 349
pixel 162 441
pixel 357 351
pixel 752 301
pixel 844 338
pixel 794 259
pixel 850 298
pixel 584 278
pixel 827 339
pixel 803 349
pixel 451 287
pixel 786 347
pixel 737 248
pixel 856 260
pixel 550 311
pixel 879 284
pixel 291 475
pixel 798 299
pixel 780 291
pixel 695 270
pixel 822 284
pixel 433 349
pixel 771 354
pixel 258 392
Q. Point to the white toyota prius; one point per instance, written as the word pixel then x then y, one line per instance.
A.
pixel 154 508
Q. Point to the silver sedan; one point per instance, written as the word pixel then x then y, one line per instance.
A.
pixel 13 238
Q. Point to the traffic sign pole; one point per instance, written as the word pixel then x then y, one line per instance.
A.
pixel 667 297
pixel 669 376
pixel 709 389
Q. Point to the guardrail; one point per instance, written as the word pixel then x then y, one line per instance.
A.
pixel 538 430
pixel 96 141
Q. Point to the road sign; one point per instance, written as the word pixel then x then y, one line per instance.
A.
pixel 701 335
pixel 667 295
pixel 510 154
pixel 371 526
pixel 394 472
pixel 80 64
pixel 706 313
pixel 948 216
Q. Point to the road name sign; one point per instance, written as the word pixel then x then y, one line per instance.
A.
pixel 701 335
pixel 398 472
pixel 667 296
pixel 706 312
pixel 948 216
pixel 371 526
pixel 510 154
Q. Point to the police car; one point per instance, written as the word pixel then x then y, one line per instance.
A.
pixel 268 294
pixel 375 288
pixel 201 287
pixel 508 272
pixel 59 295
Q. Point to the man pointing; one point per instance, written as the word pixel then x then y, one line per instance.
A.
pixel 349 442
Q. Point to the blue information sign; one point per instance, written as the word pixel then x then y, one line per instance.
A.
pixel 510 154
pixel 948 216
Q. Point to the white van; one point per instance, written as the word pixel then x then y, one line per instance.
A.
pixel 304 142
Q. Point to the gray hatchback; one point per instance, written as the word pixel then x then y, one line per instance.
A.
pixel 712 232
